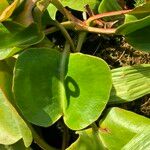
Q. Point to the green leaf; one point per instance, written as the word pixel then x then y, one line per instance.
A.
pixel 88 140
pixel 78 4
pixel 120 126
pixel 119 129
pixel 7 12
pixel 88 85
pixel 40 85
pixel 140 141
pixel 130 83
pixel 136 33
pixel 140 2
pixel 12 126
pixel 36 86
pixel 73 4
pixel 107 6
pixel 52 11
pixel 17 146
pixel 13 27
pixel 13 43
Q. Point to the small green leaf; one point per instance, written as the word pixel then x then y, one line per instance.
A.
pixel 42 77
pixel 12 126
pixel 136 33
pixel 79 5
pixel 138 13
pixel 88 140
pixel 73 4
pixel 111 5
pixel 130 83
pixel 120 126
pixel 13 43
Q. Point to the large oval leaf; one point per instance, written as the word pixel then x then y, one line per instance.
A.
pixel 40 82
pixel 12 126
pixel 36 86
pixel 88 85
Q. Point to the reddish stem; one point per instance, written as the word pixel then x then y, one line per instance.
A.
pixel 107 14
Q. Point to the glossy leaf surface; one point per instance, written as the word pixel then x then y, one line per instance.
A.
pixel 140 141
pixel 12 126
pixel 130 83
pixel 88 140
pixel 136 32
pixel 40 86
pixel 120 129
pixel 121 126
pixel 88 85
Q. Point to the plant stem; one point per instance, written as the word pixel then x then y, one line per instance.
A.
pixel 65 136
pixel 66 25
pixel 94 126
pixel 73 26
pixel 39 141
pixel 81 39
pixel 107 14
pixel 64 32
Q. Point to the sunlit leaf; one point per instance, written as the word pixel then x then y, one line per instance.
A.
pixel 88 84
pixel 40 85
pixel 119 129
pixel 130 83
pixel 120 126
pixel 88 140
pixel 140 141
